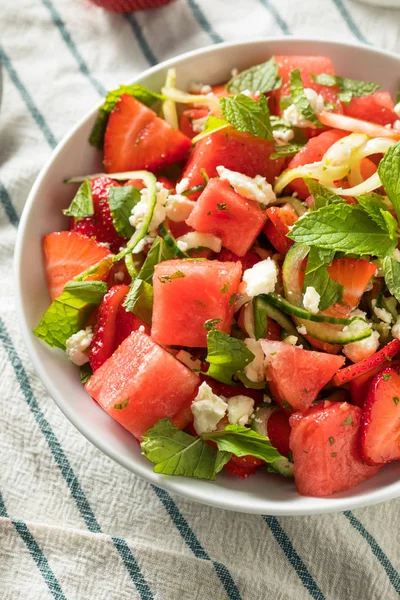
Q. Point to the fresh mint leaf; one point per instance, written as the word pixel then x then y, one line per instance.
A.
pixel 391 271
pixel 343 228
pixel 260 318
pixel 322 195
pixel 139 300
pixel 211 324
pixel 317 276
pixel 349 88
pixel 375 207
pixel 318 257
pixel 280 127
pixel 68 313
pixel 175 452
pixel 159 252
pixel 243 441
pixel 389 173
pixel 121 200
pixel 85 373
pixel 284 150
pixel 212 125
pixel 300 100
pixel 260 78
pixel 82 204
pixel 139 92
pixel 226 355
pixel 247 115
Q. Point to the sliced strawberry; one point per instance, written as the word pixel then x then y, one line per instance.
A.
pixel 100 225
pixel 243 466
pixel 380 422
pixel 137 139
pixel 354 274
pixel 360 386
pixel 114 324
pixel 186 120
pixel 66 255
pixel 277 227
pixel 348 373
pixel 278 429
pixel 326 452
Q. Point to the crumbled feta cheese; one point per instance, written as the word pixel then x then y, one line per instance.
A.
pixel 302 330
pixel 235 72
pixel 198 87
pixel 198 124
pixel 185 358
pixel 397 109
pixel 283 136
pixel 178 208
pixel 246 93
pixel 182 185
pixel 77 346
pixel 119 276
pixel 291 339
pixel 396 329
pixel 141 210
pixel 396 125
pixel 255 371
pixel 261 278
pixel 142 329
pixel 396 255
pixel 311 300
pixel 357 351
pixel 293 116
pixel 194 239
pixel 240 409
pixel 254 188
pixel 208 409
pixel 267 399
pixel 383 314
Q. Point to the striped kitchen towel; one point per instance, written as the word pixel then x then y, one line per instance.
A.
pixel 73 524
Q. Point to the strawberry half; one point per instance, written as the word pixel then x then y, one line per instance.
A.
pixel 360 386
pixel 113 326
pixel 137 139
pixel 348 373
pixel 243 466
pixel 66 255
pixel 100 225
pixel 380 421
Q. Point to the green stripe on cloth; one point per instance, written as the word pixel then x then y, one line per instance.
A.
pixel 203 22
pixel 350 21
pixel 9 209
pixel 281 22
pixel 144 46
pixel 66 470
pixel 38 556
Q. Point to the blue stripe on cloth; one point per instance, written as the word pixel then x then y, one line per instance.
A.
pixel 9 209
pixel 144 46
pixel 293 557
pixel 36 553
pixel 350 21
pixel 194 544
pixel 66 470
pixel 203 22
pixel 36 114
pixel 282 24
pixel 376 550
pixel 59 23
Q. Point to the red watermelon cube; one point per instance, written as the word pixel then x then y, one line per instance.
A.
pixel 142 383
pixel 326 449
pixel 226 214
pixel 240 152
pixel 377 108
pixel 189 293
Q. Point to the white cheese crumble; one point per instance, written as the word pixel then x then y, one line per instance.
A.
pixel 182 185
pixel 240 409
pixel 396 125
pixel 119 276
pixel 77 346
pixel 142 329
pixel 207 409
pixel 141 210
pixel 293 116
pixel 283 136
pixel 261 278
pixel 198 87
pixel 290 339
pixel 397 109
pixel 178 208
pixel 383 314
pixel 396 329
pixel 234 72
pixel 302 330
pixel 311 300
pixel 194 239
pixel 357 351
pixel 253 188
pixel 185 358
pixel 255 371
pixel 198 124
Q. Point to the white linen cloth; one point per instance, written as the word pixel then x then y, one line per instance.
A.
pixel 73 524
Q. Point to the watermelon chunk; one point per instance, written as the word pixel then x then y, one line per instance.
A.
pixel 377 108
pixel 226 214
pixel 325 445
pixel 240 152
pixel 280 218
pixel 296 376
pixel 187 117
pixel 146 383
pixel 189 293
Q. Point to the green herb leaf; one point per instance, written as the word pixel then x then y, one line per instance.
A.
pixel 68 313
pixel 85 373
pixel 396 400
pixel 212 125
pixel 322 195
pixel 283 150
pixel 317 276
pixel 243 441
pixel 391 270
pixel 211 324
pixel 82 205
pixel 121 201
pixel 122 405
pixel 226 356
pixel 299 98
pixel 139 92
pixel 175 452
pixel 139 300
pixel 389 173
pixel 260 318
pixel 168 278
pixel 159 252
pixel 247 115
pixel 331 440
pixel 375 207
pixel 349 88
pixel 280 127
pixel 348 420
pixel 386 377
pixel 343 228
pixel 260 78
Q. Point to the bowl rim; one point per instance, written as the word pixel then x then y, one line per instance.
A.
pixel 169 483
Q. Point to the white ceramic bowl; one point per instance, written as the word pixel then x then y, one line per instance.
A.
pixel 262 493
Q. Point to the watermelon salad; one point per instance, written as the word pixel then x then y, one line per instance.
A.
pixel 230 286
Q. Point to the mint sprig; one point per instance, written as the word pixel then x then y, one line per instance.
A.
pixel 322 195
pixel 82 204
pixel 389 173
pixel 159 252
pixel 349 88
pixel 300 100
pixel 317 276
pixel 376 208
pixel 391 271
pixel 226 355
pixel 121 201
pixel 259 78
pixel 139 300
pixel 248 115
